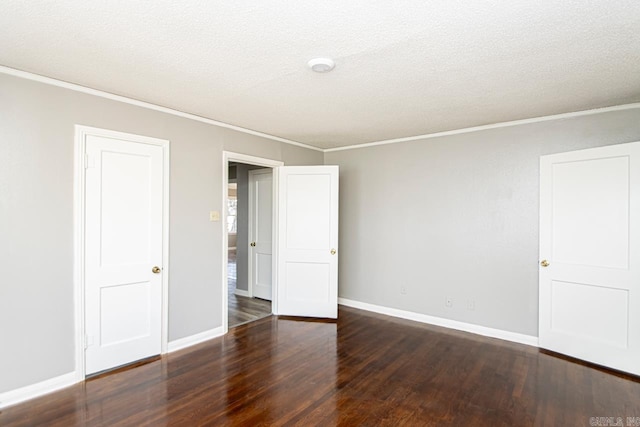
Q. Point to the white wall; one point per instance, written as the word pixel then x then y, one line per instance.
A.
pixel 457 217
pixel 36 218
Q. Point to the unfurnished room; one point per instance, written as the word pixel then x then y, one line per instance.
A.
pixel 328 213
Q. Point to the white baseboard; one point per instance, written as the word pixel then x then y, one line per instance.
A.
pixel 242 293
pixel 185 342
pixel 32 391
pixel 21 394
pixel 447 323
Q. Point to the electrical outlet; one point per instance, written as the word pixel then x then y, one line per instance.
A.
pixel 471 305
pixel 448 301
pixel 214 216
pixel 403 290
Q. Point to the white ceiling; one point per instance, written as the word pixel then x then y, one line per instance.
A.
pixel 403 68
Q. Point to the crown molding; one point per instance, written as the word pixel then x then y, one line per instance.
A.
pixel 148 105
pixel 491 126
pixel 143 104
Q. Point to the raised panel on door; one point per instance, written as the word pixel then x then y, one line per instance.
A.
pixel 123 242
pixel 590 291
pixel 261 208
pixel 308 241
pixel 590 211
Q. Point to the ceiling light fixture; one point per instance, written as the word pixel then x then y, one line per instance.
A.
pixel 321 65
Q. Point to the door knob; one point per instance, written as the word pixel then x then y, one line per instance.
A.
pixel 544 263
pixel 333 251
pixel 253 244
pixel 156 270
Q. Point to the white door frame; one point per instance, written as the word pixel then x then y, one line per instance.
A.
pixel 81 133
pixel 228 156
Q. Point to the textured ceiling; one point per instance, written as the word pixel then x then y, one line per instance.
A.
pixel 403 68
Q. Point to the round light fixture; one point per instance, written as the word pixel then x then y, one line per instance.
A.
pixel 321 65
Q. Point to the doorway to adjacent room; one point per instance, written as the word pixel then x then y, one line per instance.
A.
pixel 249 230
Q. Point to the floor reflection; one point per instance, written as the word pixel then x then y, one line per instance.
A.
pixel 271 387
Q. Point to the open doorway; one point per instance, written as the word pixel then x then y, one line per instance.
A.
pixel 303 263
pixel 249 208
pixel 247 262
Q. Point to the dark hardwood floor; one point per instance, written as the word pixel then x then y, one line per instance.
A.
pixel 363 370
pixel 242 309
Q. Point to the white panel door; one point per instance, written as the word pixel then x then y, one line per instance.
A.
pixel 260 225
pixel 123 244
pixel 590 255
pixel 307 259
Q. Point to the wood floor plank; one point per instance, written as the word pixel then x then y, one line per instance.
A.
pixel 364 369
pixel 242 309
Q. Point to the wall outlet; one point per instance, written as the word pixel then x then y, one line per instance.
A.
pixel 448 301
pixel 214 216
pixel 471 305
pixel 403 290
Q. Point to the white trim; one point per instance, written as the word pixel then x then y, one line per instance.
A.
pixel 242 293
pixel 164 345
pixel 13 397
pixel 143 104
pixel 251 160
pixel 447 323
pixel 229 156
pixel 78 249
pixel 224 321
pixel 198 338
pixel 81 133
pixel 490 126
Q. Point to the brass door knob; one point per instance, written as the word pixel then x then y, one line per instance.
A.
pixel 333 251
pixel 156 270
pixel 253 244
pixel 544 263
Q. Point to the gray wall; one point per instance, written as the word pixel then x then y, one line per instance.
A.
pixel 456 217
pixel 36 218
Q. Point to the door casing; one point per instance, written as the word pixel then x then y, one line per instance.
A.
pixel 81 133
